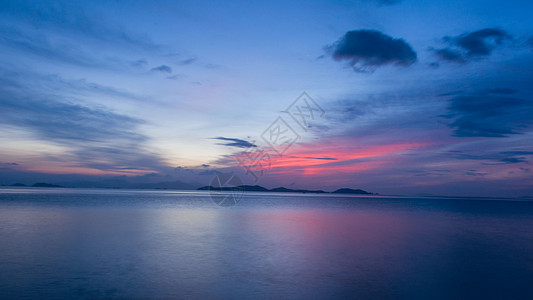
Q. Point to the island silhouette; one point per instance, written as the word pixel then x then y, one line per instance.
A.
pixel 258 188
pixel 177 185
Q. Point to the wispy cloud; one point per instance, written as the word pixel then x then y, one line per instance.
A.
pixel 4 165
pixel 97 137
pixel 493 158
pixel 489 115
pixel 40 46
pixel 188 61
pixel 64 32
pixel 163 69
pixel 232 142
pixel 309 157
pixel 69 17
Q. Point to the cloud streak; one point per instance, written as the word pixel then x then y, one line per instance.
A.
pixel 162 69
pixel 232 142
pixel 489 115
pixel 494 158
pixel 98 138
pixel 71 18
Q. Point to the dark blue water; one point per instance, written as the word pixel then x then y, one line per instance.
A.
pixel 69 243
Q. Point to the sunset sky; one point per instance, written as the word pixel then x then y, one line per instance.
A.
pixel 408 97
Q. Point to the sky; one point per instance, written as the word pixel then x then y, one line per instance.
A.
pixel 396 97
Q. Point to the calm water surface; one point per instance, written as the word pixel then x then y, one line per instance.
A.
pixel 74 243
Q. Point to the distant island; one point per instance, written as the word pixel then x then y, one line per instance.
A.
pixel 258 188
pixel 351 191
pixel 43 184
pixel 38 184
pixel 177 185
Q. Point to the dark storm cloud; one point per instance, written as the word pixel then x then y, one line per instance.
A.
pixel 489 115
pixel 231 142
pixel 162 68
pixel 368 49
pixel 471 45
pixel 90 134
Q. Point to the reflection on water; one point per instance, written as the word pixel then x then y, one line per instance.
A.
pixel 130 244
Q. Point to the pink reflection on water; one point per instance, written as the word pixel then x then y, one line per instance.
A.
pixel 323 243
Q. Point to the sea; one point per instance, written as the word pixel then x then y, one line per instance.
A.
pixel 60 243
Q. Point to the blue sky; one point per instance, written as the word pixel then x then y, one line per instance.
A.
pixel 419 97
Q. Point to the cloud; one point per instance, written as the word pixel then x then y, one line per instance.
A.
pixel 188 61
pixel 366 50
pixel 517 152
pixel 8 164
pixel 59 49
pixel 62 31
pixel 93 136
pixel 71 18
pixel 54 84
pixel 40 45
pixel 481 42
pixel 474 173
pixel 176 76
pixel 84 86
pixel 65 121
pixel 139 63
pixel 448 54
pixel 162 68
pixel 471 45
pixel 231 142
pixel 489 115
pixel 319 158
pixel 497 158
